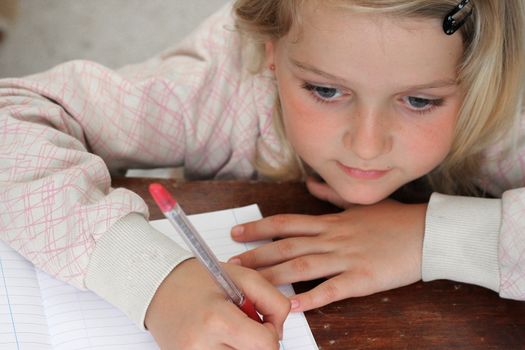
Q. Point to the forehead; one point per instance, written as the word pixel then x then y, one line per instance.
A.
pixel 333 38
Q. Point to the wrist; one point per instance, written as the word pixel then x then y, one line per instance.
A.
pixel 461 240
pixel 129 263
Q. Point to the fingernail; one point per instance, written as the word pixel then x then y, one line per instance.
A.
pixel 235 261
pixel 237 231
pixel 294 304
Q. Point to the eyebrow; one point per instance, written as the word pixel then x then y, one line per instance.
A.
pixel 432 85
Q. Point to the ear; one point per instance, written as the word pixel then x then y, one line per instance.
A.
pixel 269 48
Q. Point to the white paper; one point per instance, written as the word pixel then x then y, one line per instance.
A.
pixel 38 312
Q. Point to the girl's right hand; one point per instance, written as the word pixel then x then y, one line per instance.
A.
pixel 189 311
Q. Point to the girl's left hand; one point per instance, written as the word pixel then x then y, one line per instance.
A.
pixel 325 192
pixel 363 250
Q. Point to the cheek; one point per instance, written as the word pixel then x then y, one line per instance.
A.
pixel 429 145
pixel 302 120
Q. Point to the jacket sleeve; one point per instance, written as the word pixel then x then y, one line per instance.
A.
pixel 63 132
pixel 480 240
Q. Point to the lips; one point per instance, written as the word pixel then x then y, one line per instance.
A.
pixel 363 174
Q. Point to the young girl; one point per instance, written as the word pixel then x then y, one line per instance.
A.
pixel 373 95
pixel 368 95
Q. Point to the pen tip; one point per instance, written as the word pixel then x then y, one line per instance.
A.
pixel 162 197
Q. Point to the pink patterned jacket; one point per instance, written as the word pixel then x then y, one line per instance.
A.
pixel 63 132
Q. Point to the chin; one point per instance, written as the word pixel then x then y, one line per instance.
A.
pixel 366 200
pixel 364 196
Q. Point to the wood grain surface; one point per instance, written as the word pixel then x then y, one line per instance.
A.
pixel 434 315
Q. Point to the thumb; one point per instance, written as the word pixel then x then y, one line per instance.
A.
pixel 325 192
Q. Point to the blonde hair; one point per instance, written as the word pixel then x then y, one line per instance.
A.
pixel 491 73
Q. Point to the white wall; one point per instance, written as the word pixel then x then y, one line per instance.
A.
pixel 111 32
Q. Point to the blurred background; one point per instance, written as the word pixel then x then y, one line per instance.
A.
pixel 38 34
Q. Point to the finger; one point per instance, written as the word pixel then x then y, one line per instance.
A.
pixel 304 268
pixel 331 290
pixel 241 332
pixel 268 300
pixel 283 225
pixel 226 347
pixel 276 252
pixel 324 192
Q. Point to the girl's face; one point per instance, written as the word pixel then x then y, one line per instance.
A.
pixel 370 102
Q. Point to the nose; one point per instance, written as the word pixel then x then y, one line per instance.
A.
pixel 368 135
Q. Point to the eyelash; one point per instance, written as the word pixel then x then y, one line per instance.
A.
pixel 311 89
pixel 431 103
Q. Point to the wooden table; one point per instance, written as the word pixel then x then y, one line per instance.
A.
pixel 435 315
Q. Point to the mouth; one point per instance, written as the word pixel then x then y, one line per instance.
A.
pixel 363 174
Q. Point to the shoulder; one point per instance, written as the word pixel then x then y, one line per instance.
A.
pixel 216 35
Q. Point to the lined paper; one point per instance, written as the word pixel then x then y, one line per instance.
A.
pixel 82 320
pixel 22 317
pixel 38 312
pixel 215 228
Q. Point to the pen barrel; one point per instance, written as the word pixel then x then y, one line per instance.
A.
pixel 204 254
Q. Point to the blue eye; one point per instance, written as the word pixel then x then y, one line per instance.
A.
pixel 323 93
pixel 418 102
pixel 421 103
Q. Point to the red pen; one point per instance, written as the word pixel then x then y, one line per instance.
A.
pixel 174 213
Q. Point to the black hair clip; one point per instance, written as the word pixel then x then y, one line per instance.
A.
pixel 455 18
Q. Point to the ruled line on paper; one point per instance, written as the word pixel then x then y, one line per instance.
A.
pixel 45 313
pixel 23 324
pixel 80 320
pixel 9 336
pixel 215 229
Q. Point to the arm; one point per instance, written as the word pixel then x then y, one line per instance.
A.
pixel 461 240
pixel 497 225
pixel 359 250
pixel 477 241
pixel 64 131
pixel 488 233
pixel 62 134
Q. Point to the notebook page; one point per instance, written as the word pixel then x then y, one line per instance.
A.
pixel 23 325
pixel 215 228
pixel 82 320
